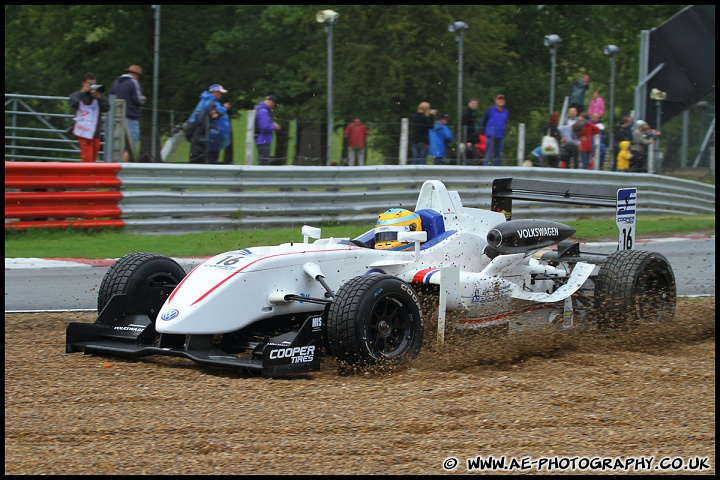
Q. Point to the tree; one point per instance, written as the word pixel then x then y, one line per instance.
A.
pixel 387 58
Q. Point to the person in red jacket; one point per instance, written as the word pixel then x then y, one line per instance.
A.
pixel 586 133
pixel 356 133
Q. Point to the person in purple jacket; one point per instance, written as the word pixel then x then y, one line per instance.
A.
pixel 493 124
pixel 264 128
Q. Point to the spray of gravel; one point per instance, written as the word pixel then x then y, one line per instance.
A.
pixel 694 321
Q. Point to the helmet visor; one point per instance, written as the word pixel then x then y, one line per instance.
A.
pixel 389 234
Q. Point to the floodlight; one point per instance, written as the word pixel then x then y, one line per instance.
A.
pixel 457 27
pixel 656 94
pixel 329 16
pixel 610 50
pixel 552 40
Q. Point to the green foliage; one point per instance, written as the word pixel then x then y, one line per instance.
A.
pixel 386 58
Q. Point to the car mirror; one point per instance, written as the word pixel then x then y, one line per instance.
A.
pixel 412 236
pixel 310 232
pixel 417 237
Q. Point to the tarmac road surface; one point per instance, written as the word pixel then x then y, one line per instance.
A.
pixel 72 284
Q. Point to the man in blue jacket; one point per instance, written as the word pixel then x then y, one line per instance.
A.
pixel 493 123
pixel 264 128
pixel 212 133
pixel 440 136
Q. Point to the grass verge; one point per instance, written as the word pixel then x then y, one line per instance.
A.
pixel 115 244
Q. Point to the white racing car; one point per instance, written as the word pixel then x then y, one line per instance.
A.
pixel 273 310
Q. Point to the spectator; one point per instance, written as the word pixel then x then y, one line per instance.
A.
pixel 623 131
pixel 264 128
pixel 596 105
pixel 586 131
pixel 493 124
pixel 481 147
pixel 470 131
pixel 213 126
pixel 88 103
pixel 421 123
pixel 440 136
pixel 197 134
pixel 537 158
pixel 127 87
pixel 577 92
pixel 569 146
pixel 600 141
pixel 643 136
pixel 624 156
pixel 572 116
pixel 551 129
pixel 356 133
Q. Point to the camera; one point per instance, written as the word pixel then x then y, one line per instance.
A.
pixel 98 87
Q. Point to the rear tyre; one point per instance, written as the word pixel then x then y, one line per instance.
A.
pixel 147 279
pixel 632 287
pixel 375 320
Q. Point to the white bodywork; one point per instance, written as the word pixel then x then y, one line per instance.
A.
pixel 237 288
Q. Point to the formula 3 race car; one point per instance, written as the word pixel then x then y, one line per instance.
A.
pixel 274 310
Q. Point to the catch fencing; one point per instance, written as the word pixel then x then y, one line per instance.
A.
pixel 36 129
pixel 180 198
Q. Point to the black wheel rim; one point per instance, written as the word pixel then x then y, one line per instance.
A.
pixel 658 300
pixel 391 327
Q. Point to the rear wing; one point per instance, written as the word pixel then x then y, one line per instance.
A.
pixel 623 200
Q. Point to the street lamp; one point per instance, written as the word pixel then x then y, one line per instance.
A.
pixel 659 97
pixel 459 28
pixel 552 41
pixel 156 69
pixel 611 51
pixel 331 17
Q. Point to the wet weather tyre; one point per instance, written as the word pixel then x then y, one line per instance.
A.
pixel 147 279
pixel 633 287
pixel 375 320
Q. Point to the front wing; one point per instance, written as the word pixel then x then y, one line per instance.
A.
pixel 117 332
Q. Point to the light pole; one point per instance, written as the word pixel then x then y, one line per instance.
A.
pixel 659 97
pixel 611 51
pixel 156 70
pixel 331 17
pixel 459 28
pixel 552 41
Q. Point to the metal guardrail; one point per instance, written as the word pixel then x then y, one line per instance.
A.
pixel 178 198
pixel 62 195
pixel 170 198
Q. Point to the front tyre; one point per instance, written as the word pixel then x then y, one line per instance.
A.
pixel 147 279
pixel 375 319
pixel 632 287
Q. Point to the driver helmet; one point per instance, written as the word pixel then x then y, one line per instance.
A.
pixel 390 223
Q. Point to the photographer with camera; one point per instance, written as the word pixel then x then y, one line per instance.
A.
pixel 89 104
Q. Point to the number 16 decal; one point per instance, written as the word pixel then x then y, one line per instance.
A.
pixel 626 208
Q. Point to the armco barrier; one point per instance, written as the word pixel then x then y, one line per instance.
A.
pixel 169 198
pixel 61 195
